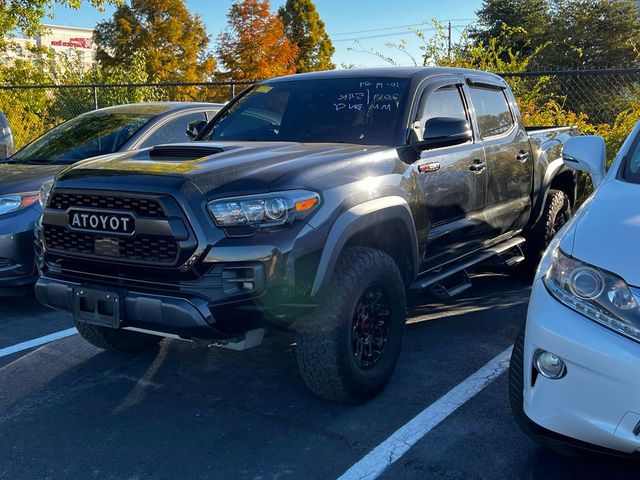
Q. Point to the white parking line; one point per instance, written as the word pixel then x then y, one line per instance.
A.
pixel 36 342
pixel 384 455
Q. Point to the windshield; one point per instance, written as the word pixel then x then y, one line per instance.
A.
pixel 90 135
pixel 345 110
pixel 630 170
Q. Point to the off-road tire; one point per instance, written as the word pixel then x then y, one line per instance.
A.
pixel 115 340
pixel 557 212
pixel 516 399
pixel 325 352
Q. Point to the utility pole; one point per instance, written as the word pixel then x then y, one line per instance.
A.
pixel 449 41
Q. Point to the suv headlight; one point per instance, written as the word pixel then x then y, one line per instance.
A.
pixel 595 293
pixel 45 191
pixel 264 210
pixel 14 202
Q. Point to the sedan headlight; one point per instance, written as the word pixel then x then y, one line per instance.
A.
pixel 45 191
pixel 265 210
pixel 14 202
pixel 595 293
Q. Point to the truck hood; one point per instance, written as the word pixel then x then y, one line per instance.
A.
pixel 607 230
pixel 17 178
pixel 228 166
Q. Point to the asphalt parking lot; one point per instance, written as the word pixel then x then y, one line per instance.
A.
pixel 71 411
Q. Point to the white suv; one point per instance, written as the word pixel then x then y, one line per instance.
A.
pixel 575 370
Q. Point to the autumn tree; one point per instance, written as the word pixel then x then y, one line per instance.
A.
pixel 254 45
pixel 304 27
pixel 26 15
pixel 172 41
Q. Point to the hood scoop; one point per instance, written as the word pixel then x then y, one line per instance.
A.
pixel 182 152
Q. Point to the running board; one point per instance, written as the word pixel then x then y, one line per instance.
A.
pixel 452 286
pixel 436 277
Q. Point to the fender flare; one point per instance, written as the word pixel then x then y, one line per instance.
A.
pixel 357 219
pixel 554 168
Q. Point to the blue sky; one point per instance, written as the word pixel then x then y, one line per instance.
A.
pixel 374 22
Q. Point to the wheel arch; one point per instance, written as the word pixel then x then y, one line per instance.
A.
pixel 557 177
pixel 385 224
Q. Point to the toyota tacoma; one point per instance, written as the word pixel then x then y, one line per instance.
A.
pixel 311 202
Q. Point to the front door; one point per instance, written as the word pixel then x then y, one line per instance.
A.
pixel 453 182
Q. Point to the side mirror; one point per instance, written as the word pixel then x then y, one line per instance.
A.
pixel 194 128
pixel 586 154
pixel 445 132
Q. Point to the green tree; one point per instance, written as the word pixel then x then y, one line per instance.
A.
pixel 254 46
pixel 565 33
pixel 528 21
pixel 27 15
pixel 304 27
pixel 173 42
pixel 593 34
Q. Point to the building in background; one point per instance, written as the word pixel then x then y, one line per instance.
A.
pixel 61 39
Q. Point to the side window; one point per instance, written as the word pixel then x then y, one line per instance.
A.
pixel 444 102
pixel 492 111
pixel 174 131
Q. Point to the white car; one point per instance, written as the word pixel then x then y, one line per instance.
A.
pixel 574 380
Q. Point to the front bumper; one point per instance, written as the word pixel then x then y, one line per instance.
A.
pixel 597 401
pixel 17 266
pixel 185 317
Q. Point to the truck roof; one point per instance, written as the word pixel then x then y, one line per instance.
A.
pixel 393 72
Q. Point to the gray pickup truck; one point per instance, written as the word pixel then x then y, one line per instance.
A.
pixel 312 202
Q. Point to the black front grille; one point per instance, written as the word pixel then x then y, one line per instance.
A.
pixel 143 207
pixel 160 250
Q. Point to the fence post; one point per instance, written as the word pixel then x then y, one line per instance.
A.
pixel 95 97
pixel 233 90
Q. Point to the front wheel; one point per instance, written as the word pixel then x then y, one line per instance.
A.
pixel 516 400
pixel 349 347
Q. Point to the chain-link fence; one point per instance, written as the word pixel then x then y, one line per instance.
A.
pixel 34 109
pixel 600 94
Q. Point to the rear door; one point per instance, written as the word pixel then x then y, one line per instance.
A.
pixel 508 155
pixel 454 191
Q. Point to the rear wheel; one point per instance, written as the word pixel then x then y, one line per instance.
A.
pixel 557 212
pixel 350 346
pixel 116 340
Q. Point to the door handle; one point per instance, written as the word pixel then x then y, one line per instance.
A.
pixel 478 166
pixel 522 156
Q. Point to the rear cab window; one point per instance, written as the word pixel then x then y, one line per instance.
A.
pixel 493 114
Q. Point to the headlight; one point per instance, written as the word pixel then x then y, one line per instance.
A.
pixel 45 191
pixel 266 210
pixel 11 203
pixel 595 293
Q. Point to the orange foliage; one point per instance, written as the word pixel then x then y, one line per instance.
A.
pixel 255 46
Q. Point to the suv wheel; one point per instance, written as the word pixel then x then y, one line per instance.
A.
pixel 349 347
pixel 116 340
pixel 557 212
